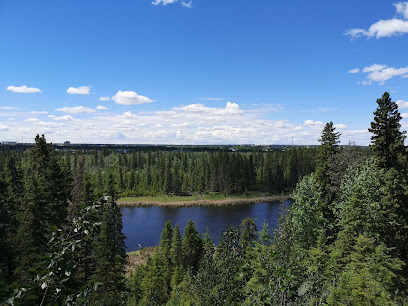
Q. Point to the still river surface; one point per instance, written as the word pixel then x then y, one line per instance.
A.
pixel 142 226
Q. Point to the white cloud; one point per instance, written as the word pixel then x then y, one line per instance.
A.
pixel 23 89
pixel 185 124
pixel 402 104
pixel 187 4
pixel 230 109
pixel 130 98
pixel 39 112
pixel 355 70
pixel 75 110
pixel 63 118
pixel 104 99
pixel 365 82
pixel 101 107
pixel 374 67
pixel 382 73
pixel 8 108
pixel 81 90
pixel 402 9
pixel 31 120
pixel 4 128
pixel 385 28
pixel 404 115
pixel 340 126
pixel 313 123
pixel 385 74
pixel 164 2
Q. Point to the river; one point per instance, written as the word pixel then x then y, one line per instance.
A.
pixel 142 226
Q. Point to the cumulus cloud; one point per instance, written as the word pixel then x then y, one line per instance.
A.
pixel 4 128
pixel 81 90
pixel 402 9
pixel 355 70
pixel 8 107
pixel 230 109
pixel 187 4
pixel 185 124
pixel 340 126
pixel 164 2
pixel 402 104
pixel 39 112
pixel 374 67
pixel 75 110
pixel 130 98
pixel 385 28
pixel 101 107
pixel 43 123
pixel 313 123
pixel 104 99
pixel 23 89
pixel 382 73
pixel 63 118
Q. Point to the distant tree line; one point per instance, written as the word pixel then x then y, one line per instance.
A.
pixel 344 241
pixel 184 173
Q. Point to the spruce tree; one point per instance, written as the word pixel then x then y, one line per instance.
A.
pixel 248 232
pixel 176 243
pixel 387 143
pixel 325 186
pixel 192 247
pixel 110 258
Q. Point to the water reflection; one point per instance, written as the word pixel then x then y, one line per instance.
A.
pixel 143 225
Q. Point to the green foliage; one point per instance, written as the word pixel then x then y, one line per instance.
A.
pixel 306 213
pixel 110 257
pixel 368 278
pixel 191 246
pixel 388 140
pixel 248 232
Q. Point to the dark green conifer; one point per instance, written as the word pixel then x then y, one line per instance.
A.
pixel 110 258
pixel 192 247
pixel 387 143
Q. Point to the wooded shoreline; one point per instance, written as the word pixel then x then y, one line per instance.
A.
pixel 203 202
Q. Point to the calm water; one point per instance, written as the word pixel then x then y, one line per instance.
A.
pixel 143 225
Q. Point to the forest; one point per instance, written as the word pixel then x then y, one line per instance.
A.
pixel 344 240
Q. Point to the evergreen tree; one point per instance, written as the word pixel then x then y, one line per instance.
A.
pixel 78 186
pixel 191 247
pixel 248 232
pixel 176 244
pixel 5 276
pixel 327 150
pixel 387 143
pixel 110 258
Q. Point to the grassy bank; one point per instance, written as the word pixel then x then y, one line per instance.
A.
pixel 199 200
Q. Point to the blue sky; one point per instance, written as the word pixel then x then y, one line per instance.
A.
pixel 200 71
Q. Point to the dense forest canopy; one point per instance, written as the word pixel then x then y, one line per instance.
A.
pixel 344 241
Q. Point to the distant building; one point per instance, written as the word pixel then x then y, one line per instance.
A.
pixel 67 143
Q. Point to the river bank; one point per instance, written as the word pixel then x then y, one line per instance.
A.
pixel 204 200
